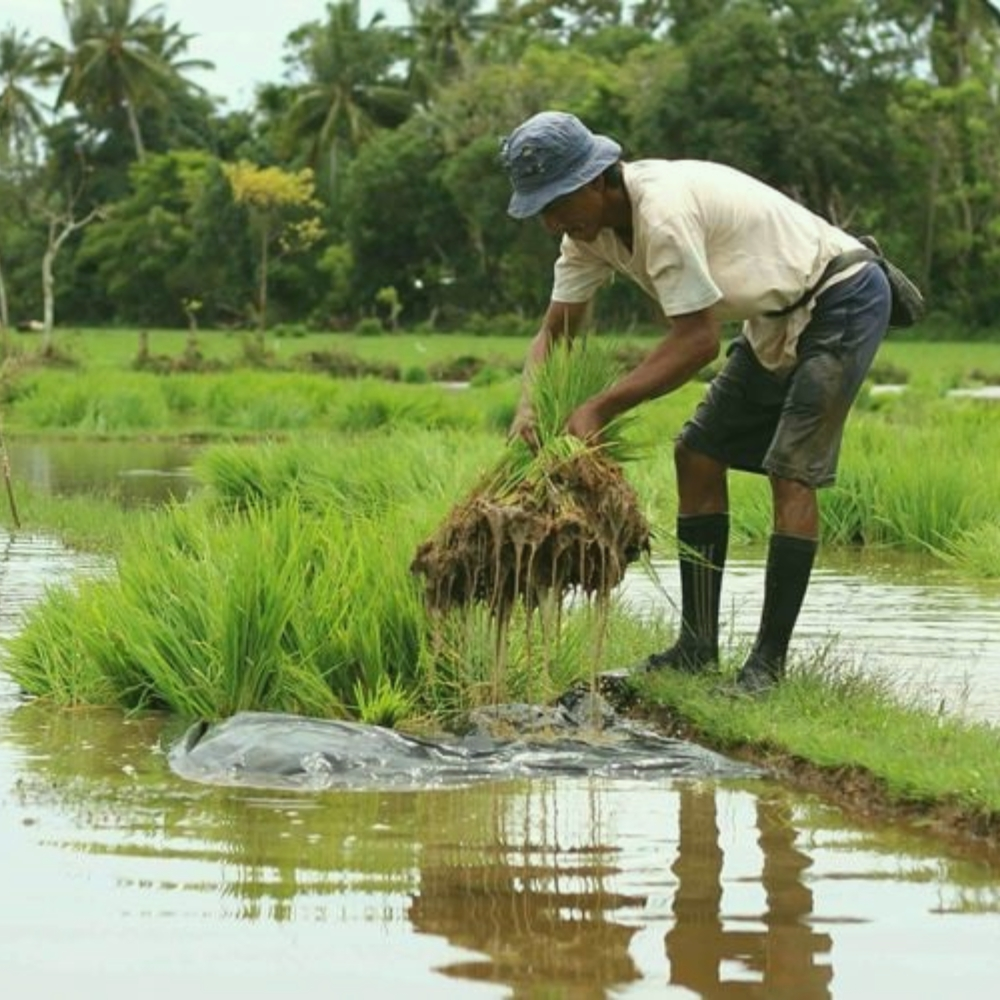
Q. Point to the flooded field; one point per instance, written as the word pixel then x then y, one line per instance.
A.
pixel 136 473
pixel 120 876
pixel 935 640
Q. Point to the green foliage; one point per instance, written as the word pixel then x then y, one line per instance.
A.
pixel 167 191
pixel 402 248
pixel 568 378
pixel 881 117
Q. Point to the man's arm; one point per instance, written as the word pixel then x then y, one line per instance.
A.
pixel 692 342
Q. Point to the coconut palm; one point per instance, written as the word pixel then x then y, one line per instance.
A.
pixel 349 90
pixel 21 113
pixel 442 32
pixel 21 119
pixel 120 61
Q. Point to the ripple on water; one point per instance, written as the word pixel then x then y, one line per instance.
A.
pixel 29 563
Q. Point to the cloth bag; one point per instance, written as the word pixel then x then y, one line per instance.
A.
pixel 908 305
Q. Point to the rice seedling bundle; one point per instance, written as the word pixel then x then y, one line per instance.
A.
pixel 543 523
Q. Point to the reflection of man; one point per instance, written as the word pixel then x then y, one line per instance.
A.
pixel 533 933
pixel 783 955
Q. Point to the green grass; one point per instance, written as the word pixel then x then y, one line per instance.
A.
pixel 834 716
pixel 920 363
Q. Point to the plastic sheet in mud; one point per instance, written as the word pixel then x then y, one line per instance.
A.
pixel 270 750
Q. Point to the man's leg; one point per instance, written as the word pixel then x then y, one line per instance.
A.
pixel 790 556
pixel 702 543
pixel 834 354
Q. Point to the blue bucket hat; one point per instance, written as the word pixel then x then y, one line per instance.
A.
pixel 549 155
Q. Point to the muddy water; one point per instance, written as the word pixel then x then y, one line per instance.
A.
pixel 118 876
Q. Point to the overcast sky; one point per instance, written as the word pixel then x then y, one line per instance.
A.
pixel 244 38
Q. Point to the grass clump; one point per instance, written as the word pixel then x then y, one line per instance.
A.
pixel 275 609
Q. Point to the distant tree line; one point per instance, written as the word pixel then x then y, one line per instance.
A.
pixel 365 185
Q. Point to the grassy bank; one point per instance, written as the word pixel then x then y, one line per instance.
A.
pixel 832 728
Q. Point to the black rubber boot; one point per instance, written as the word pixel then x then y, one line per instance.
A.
pixel 789 566
pixel 702 542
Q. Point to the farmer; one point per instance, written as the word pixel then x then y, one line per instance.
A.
pixel 710 244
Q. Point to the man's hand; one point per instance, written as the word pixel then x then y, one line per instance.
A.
pixel 586 422
pixel 523 426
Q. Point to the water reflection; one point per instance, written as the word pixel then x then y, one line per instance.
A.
pixel 787 957
pixel 571 888
pixel 29 563
pixel 136 473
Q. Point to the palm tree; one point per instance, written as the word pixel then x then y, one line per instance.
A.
pixel 119 61
pixel 442 32
pixel 21 119
pixel 349 90
pixel 21 114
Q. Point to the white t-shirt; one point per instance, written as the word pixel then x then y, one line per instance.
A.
pixel 704 234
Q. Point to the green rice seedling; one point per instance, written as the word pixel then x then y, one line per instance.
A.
pixel 275 609
pixel 387 705
pixel 238 477
pixel 369 405
pixel 411 467
pixel 50 401
pixel 568 378
pixel 124 410
pixel 916 485
pixel 52 656
pixel 181 396
pixel 87 403
pixel 976 550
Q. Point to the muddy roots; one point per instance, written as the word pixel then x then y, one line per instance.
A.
pixel 574 528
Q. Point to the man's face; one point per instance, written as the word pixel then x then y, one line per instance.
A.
pixel 578 215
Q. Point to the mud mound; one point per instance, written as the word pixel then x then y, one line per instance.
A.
pixel 574 526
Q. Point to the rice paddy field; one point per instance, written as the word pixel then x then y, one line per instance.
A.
pixel 328 461
pixel 918 469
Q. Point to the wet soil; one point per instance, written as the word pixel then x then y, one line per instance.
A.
pixel 574 526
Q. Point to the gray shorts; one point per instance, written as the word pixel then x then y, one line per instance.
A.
pixel 790 425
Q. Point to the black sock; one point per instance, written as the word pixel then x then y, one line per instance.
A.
pixel 789 566
pixel 702 542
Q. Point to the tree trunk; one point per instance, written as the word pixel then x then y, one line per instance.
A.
pixel 4 316
pixel 60 228
pixel 262 287
pixel 133 125
pixel 48 288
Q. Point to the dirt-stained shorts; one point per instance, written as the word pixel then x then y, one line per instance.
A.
pixel 790 425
